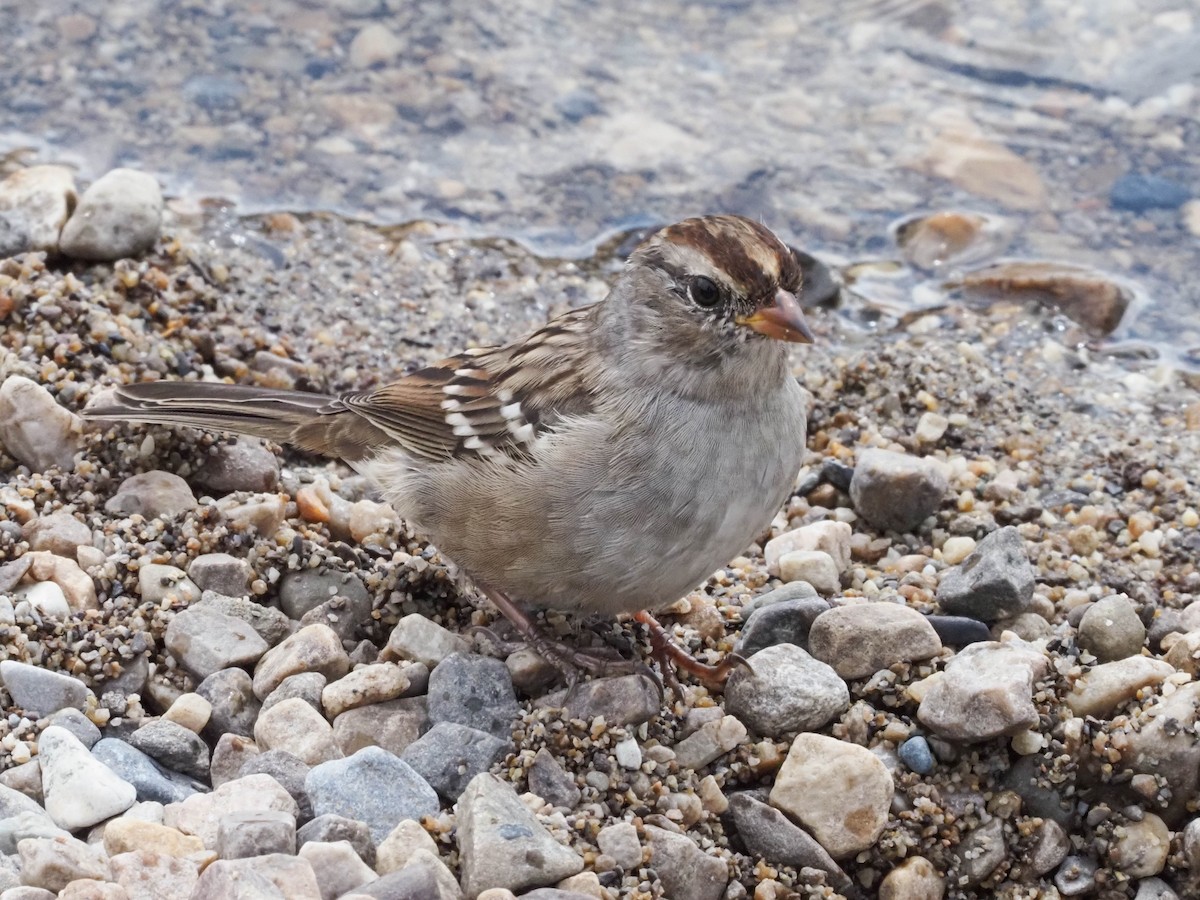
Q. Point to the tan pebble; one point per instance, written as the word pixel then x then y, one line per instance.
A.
pixel 191 711
pixel 956 549
pixel 401 843
pixel 914 879
pixel 124 835
pixel 584 883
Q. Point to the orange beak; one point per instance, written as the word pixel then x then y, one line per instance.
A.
pixel 781 319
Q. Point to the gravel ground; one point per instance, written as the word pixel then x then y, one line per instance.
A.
pixel 975 626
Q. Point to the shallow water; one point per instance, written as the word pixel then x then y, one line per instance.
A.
pixel 1072 125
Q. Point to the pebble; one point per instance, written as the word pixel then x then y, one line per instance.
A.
pixel 1184 654
pixel 788 691
pixel 959 631
pixel 1076 876
pixel 296 727
pixel 683 868
pixel 628 754
pixel 191 711
pixel 40 692
pixel 859 639
pixel 286 768
pixel 840 792
pixel 244 464
pixel 980 853
pixel 271 624
pixel 45 598
pixel 619 699
pixel 449 755
pixel 77 586
pixel 155 495
pixel 1090 298
pixel 220 573
pixel 962 154
pixel 314 648
pixel 916 754
pixel 207 642
pixel 1140 848
pixel 832 538
pixel 248 833
pixel 957 549
pixel 1139 192
pixel 1110 629
pixel 813 567
pixel 79 790
pixel 78 724
pixel 59 533
pixel 783 622
pixel 709 742
pixel 985 691
pixel 149 780
pixel 157 583
pixel 994 582
pixel 913 879
pixel 946 236
pixel 373 786
pixel 235 709
pixel 53 863
pixel 931 428
pixel 1100 690
pixel 119 216
pixel 34 205
pixel 1161 742
pixel 344 615
pixel 172 746
pixel 795 591
pixel 263 513
pixel 35 430
pixel 768 833
pixel 424 878
pixel 392 725
pixel 373 45
pixel 337 866
pixel 895 491
pixel 302 592
pixel 1050 845
pixel 276 875
pixel 502 845
pixel 550 781
pixel 423 640
pixel 369 684
pixel 473 690
pixel 331 828
pixel 1154 889
pixel 201 814
pixel 397 848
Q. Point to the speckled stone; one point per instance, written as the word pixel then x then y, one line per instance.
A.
pixel 373 786
pixel 787 691
pixel 859 639
pixel 118 216
pixel 994 582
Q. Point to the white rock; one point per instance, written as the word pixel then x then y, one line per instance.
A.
pixel 628 754
pixel 831 537
pixel 46 597
pixel 816 567
pixel 374 44
pixel 201 814
pixel 79 790
pixel 34 429
pixel 34 204
pixel 120 215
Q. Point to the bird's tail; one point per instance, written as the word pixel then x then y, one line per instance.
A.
pixel 315 422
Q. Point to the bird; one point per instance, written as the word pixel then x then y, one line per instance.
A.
pixel 606 463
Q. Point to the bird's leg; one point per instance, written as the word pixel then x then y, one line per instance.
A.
pixel 670 655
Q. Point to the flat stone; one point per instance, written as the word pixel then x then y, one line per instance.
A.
pixel 173 746
pixel 392 726
pixel 985 691
pixel 373 786
pixel 271 624
pixel 796 591
pixel 59 533
pixel 39 691
pixel 397 848
pixel 788 691
pixel 683 868
pixel 146 875
pixel 345 615
pixel 331 828
pixel 243 464
pixel 246 833
pixel 994 582
pixel 840 792
pixel 375 683
pixel 1100 690
pixel 155 495
pixel 315 648
pixel 709 742
pixel 118 216
pixel 234 707
pixel 34 205
pixel 80 790
pixel 476 691
pixel 221 573
pixel 53 863
pixel 124 835
pixel 417 638
pixel 300 592
pixel 959 631
pixel 338 868
pixel 859 639
pixel 620 699
pixel 150 781
pixel 768 833
pixel 276 875
pixel 35 430
pixel 299 729
pixel 157 583
pixel 1111 630
pixel 200 814
pixel 550 781
pixel 45 598
pixel 784 622
pixel 449 755
pixel 897 492
pixel 813 567
pixel 501 843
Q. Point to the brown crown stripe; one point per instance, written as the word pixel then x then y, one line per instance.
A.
pixel 724 240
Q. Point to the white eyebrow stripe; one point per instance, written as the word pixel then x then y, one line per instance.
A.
pixel 511 411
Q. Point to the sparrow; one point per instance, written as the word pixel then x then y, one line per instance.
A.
pixel 606 463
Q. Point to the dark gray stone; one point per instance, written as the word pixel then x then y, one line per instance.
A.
pixel 332 827
pixel 373 786
pixel 473 690
pixel 550 781
pixel 150 780
pixel 300 592
pixel 449 755
pixel 243 464
pixel 621 700
pixel 246 833
pixel 221 573
pixel 915 754
pixel 995 582
pixel 896 491
pixel 959 631
pixel 796 590
pixel 783 622
pixel 78 724
pixel 173 747
pixel 271 624
pixel 345 615
pixel 206 640
pixel 768 833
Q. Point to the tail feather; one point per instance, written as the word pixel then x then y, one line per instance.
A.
pixel 315 422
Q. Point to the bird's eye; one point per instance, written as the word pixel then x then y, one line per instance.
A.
pixel 704 292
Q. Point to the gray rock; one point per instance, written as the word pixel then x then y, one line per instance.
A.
pixel 1111 630
pixel 1076 876
pixel 1039 795
pixel 994 582
pixel 780 622
pixel 338 868
pixel 154 495
pixel 449 755
pixel 243 464
pixel 959 631
pixel 550 781
pixel 59 533
pixel 14 803
pixel 157 583
pixel 307 686
pixel 501 844
pixel 39 691
pixel 148 778
pixel 245 833
pixel 235 709
pixel 206 641
pixel 22 825
pixel 286 768
pixel 80 790
pixel 621 700
pixel 229 756
pixel 768 833
pixel 1161 742
pixel 271 624
pixel 980 853
pixel 476 691
pixel 392 725
pixel 797 590
pixel 985 691
pixel 860 639
pixel 331 828
pixel 25 777
pixel 895 491
pixel 221 573
pixel 173 746
pixel 201 814
pixel 683 868
pixel 301 591
pixel 373 786
pixel 1154 889
pixel 915 754
pixel 425 877
pixel 620 841
pixel 35 430
pixel 417 638
pixel 34 205
pixel 119 216
pixel 345 615
pixel 788 691
pixel 276 876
